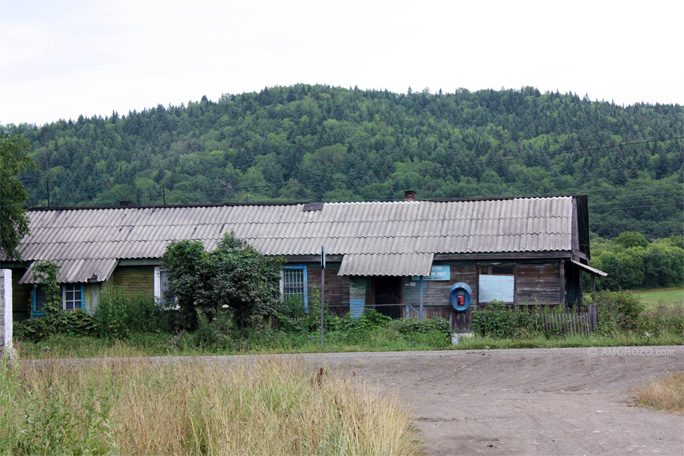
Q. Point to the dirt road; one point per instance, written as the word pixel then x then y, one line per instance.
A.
pixel 573 401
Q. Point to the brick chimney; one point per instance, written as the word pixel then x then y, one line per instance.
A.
pixel 410 195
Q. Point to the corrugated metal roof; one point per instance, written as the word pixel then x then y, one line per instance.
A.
pixel 78 271
pixel 65 235
pixel 391 264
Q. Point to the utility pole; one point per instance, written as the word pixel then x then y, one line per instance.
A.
pixel 47 169
pixel 322 288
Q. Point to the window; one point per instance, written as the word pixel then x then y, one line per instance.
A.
pixel 72 298
pixel 294 283
pixel 497 283
pixel 38 300
pixel 161 284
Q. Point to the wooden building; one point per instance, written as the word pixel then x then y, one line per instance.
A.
pixel 396 257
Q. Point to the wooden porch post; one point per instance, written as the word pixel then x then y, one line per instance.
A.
pixel 561 284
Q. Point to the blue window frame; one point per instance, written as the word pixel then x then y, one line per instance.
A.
pixel 294 283
pixel 72 298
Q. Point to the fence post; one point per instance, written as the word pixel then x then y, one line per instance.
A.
pixel 6 348
pixel 593 317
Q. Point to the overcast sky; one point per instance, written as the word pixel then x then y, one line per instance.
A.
pixel 63 58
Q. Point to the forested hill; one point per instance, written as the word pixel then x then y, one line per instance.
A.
pixel 321 143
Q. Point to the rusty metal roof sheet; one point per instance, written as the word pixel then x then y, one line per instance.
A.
pixel 68 235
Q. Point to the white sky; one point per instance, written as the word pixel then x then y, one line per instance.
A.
pixel 63 58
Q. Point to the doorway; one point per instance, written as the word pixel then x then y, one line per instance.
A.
pixel 387 291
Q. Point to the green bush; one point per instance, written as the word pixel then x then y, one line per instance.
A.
pixel 72 323
pixel 233 274
pixel 412 327
pixel 617 311
pixel 118 315
pixel 215 334
pixel 662 320
pixel 501 321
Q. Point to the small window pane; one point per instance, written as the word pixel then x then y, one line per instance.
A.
pixel 72 297
pixel 40 299
pixel 293 282
pixel 163 289
pixel 502 270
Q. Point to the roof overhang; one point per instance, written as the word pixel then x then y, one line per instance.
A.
pixel 389 264
pixel 589 269
pixel 77 271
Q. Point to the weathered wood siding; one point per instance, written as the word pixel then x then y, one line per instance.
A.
pixel 91 296
pixel 537 283
pixel 436 299
pixel 336 288
pixel 136 280
pixel 21 296
pixel 436 292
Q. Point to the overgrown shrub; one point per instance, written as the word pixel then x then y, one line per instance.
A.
pixel 234 274
pixel 118 315
pixel 501 321
pixel 72 323
pixel 662 320
pixel 412 326
pixel 215 334
pixel 617 311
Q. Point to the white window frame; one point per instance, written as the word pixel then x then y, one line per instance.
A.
pixel 159 290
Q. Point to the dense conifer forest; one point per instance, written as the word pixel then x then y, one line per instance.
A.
pixel 322 143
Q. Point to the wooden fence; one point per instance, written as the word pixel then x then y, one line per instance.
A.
pixel 570 323
pixel 574 323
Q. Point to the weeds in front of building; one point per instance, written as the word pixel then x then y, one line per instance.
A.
pixel 137 407
pixel 136 326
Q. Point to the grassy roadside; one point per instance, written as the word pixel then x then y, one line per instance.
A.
pixel 141 344
pixel 135 407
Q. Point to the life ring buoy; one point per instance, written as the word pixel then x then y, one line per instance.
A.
pixel 461 296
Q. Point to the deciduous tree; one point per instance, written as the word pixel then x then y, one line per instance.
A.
pixel 14 223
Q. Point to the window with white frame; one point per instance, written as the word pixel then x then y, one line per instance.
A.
pixel 72 296
pixel 161 285
pixel 294 283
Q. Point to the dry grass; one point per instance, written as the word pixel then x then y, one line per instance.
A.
pixel 269 407
pixel 664 394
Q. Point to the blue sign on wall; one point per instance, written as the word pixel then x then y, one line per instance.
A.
pixel 438 272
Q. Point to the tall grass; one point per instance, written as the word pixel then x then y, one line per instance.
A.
pixel 664 394
pixel 125 407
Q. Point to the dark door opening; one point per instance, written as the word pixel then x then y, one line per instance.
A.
pixel 388 291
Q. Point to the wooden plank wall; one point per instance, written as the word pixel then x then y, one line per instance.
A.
pixel 134 280
pixel 436 292
pixel 336 288
pixel 537 283
pixel 21 296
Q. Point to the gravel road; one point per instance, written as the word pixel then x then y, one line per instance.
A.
pixel 566 401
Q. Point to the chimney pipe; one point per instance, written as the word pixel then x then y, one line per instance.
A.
pixel 409 195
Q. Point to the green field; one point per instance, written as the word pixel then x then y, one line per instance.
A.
pixel 661 296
